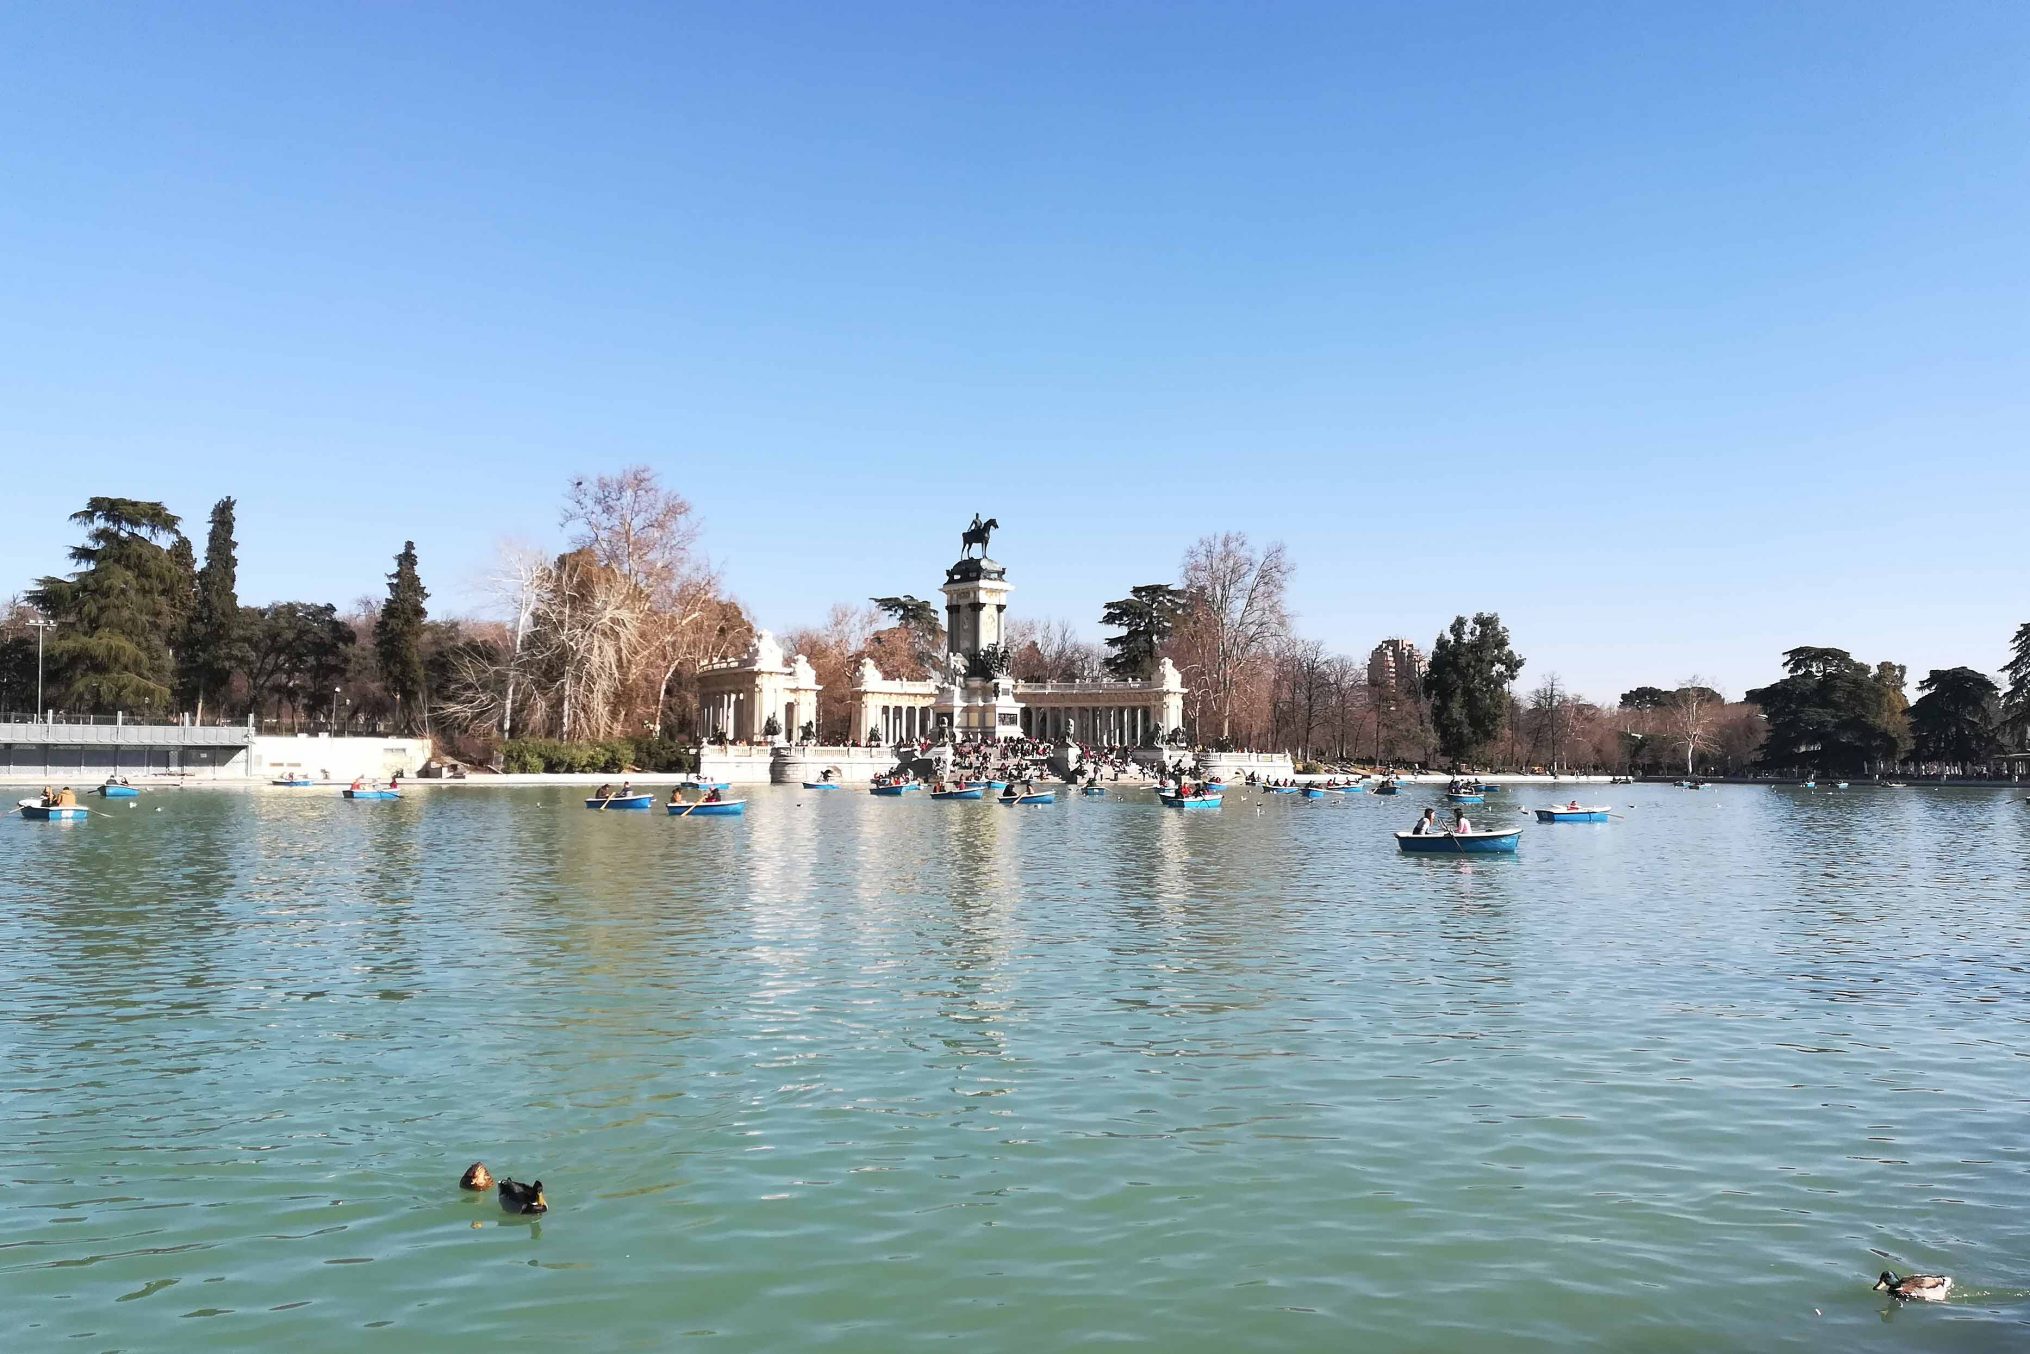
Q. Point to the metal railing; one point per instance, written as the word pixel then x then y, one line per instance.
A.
pixel 119 719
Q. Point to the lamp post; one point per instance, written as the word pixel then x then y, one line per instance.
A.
pixel 43 626
pixel 335 693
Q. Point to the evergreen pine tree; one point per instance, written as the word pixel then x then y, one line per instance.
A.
pixel 1467 682
pixel 398 641
pixel 119 611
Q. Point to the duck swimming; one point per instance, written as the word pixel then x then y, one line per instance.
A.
pixel 516 1198
pixel 1922 1287
pixel 476 1176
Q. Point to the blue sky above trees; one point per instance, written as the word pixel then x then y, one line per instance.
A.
pixel 1679 336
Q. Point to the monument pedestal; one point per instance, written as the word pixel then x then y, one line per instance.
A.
pixel 981 707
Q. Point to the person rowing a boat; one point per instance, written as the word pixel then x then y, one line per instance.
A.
pixel 712 796
pixel 603 792
pixel 1427 826
pixel 1009 791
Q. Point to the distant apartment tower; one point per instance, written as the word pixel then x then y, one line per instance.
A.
pixel 1395 663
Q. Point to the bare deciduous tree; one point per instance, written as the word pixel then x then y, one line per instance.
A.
pixel 1234 613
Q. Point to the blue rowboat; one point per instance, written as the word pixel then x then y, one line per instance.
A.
pixel 1320 791
pixel 1809 785
pixel 997 785
pixel 1454 844
pixel 1387 787
pixel 371 794
pixel 902 789
pixel 970 792
pixel 1461 797
pixel 704 785
pixel 1841 785
pixel 117 792
pixel 642 802
pixel 1578 815
pixel 296 783
pixel 723 808
pixel 1281 789
pixel 1092 790
pixel 822 785
pixel 36 809
pixel 1040 797
pixel 1190 801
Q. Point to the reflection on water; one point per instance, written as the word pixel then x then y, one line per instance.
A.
pixel 887 1073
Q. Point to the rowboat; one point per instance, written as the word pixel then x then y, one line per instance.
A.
pixel 970 792
pixel 1387 787
pixel 1190 801
pixel 1320 791
pixel 643 802
pixel 822 785
pixel 720 808
pixel 1461 843
pixel 373 794
pixel 1578 815
pixel 293 782
pixel 1040 797
pixel 35 808
pixel 1840 785
pixel 1093 790
pixel 704 785
pixel 1281 789
pixel 997 785
pixel 1463 797
pixel 1809 785
pixel 117 792
pixel 900 789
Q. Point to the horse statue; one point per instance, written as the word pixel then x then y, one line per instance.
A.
pixel 977 534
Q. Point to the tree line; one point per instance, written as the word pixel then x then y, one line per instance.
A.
pixel 139 627
pixel 603 641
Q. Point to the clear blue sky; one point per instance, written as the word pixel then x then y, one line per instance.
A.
pixel 1678 334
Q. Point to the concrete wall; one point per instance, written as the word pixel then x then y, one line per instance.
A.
pixel 328 758
pixel 857 766
pixel 741 764
pixel 1236 765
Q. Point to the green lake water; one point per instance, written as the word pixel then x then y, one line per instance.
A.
pixel 886 1074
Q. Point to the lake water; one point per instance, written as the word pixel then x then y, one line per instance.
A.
pixel 879 1074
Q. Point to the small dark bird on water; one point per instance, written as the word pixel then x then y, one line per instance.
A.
pixel 476 1176
pixel 516 1198
pixel 1920 1287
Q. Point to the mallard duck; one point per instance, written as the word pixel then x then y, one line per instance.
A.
pixel 516 1198
pixel 1922 1287
pixel 476 1176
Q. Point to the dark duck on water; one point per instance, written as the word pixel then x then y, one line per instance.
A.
pixel 1917 1287
pixel 517 1198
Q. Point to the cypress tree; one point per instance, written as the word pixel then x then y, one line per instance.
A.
pixel 2016 701
pixel 213 638
pixel 398 640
